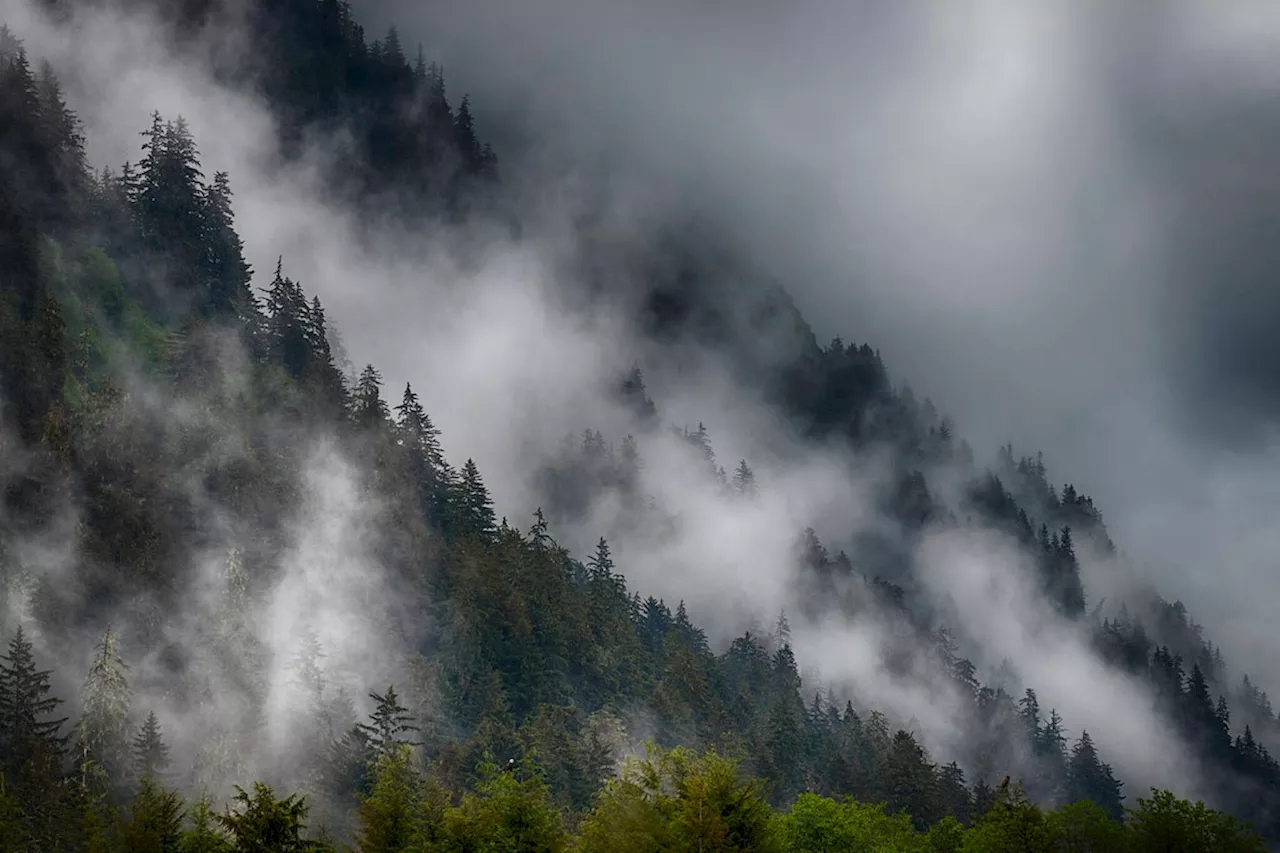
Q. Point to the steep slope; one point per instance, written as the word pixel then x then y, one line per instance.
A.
pixel 217 465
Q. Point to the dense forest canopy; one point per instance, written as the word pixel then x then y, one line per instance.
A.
pixel 256 600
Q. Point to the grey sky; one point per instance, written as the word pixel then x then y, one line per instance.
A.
pixel 1055 219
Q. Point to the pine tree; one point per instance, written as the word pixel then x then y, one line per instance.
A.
pixel 418 433
pixel 1029 713
pixel 223 262
pixel 633 394
pixel 1089 778
pixel 468 146
pixel 389 720
pixel 31 744
pixel 744 480
pixel 204 834
pixel 289 341
pixel 782 630
pixel 321 371
pixel 170 200
pixel 155 820
pixel 476 508
pixel 369 409
pixel 150 752
pixel 391 814
pixel 600 565
pixel 59 130
pixel 103 732
pixel 439 113
pixel 910 782
pixel 953 795
pixel 392 52
pixel 261 823
pixel 539 538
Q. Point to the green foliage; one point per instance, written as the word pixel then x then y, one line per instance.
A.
pixel 946 836
pixel 1163 822
pixel 394 815
pixel 1014 824
pixel 204 834
pixel 1085 827
pixel 262 823
pixel 154 824
pixel 504 814
pixel 820 825
pixel 681 801
pixel 31 745
pixel 390 720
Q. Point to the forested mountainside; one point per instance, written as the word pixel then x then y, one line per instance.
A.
pixel 191 483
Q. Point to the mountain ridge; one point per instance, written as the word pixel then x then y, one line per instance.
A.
pixel 840 390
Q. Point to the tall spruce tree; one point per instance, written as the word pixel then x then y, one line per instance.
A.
pixel 389 721
pixel 1090 779
pixel 150 752
pixel 103 731
pixel 32 746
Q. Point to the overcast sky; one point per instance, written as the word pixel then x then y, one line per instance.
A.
pixel 1058 220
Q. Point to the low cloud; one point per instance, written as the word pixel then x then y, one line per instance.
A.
pixel 506 369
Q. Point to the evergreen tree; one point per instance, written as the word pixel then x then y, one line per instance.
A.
pixel 288 329
pixel 103 732
pixel 475 506
pixel 170 199
pixel 154 824
pixel 419 434
pixel 388 722
pixel 262 823
pixel 600 565
pixel 223 259
pixel 369 409
pixel 204 833
pixel 468 146
pixel 150 752
pixel 31 744
pixel 1090 779
pixel 392 815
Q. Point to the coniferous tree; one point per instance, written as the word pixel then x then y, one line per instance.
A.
pixel 388 722
pixel 475 507
pixel 369 409
pixel 1090 779
pixel 31 743
pixel 170 199
pixel 223 259
pixel 600 565
pixel 103 732
pixel 259 822
pixel 527 636
pixel 204 832
pixel 60 131
pixel 150 752
pixel 744 480
pixel 391 815
pixel 289 341
pixel 419 434
pixel 155 820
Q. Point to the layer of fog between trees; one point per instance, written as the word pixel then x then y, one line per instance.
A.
pixel 1054 218
pixel 506 372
